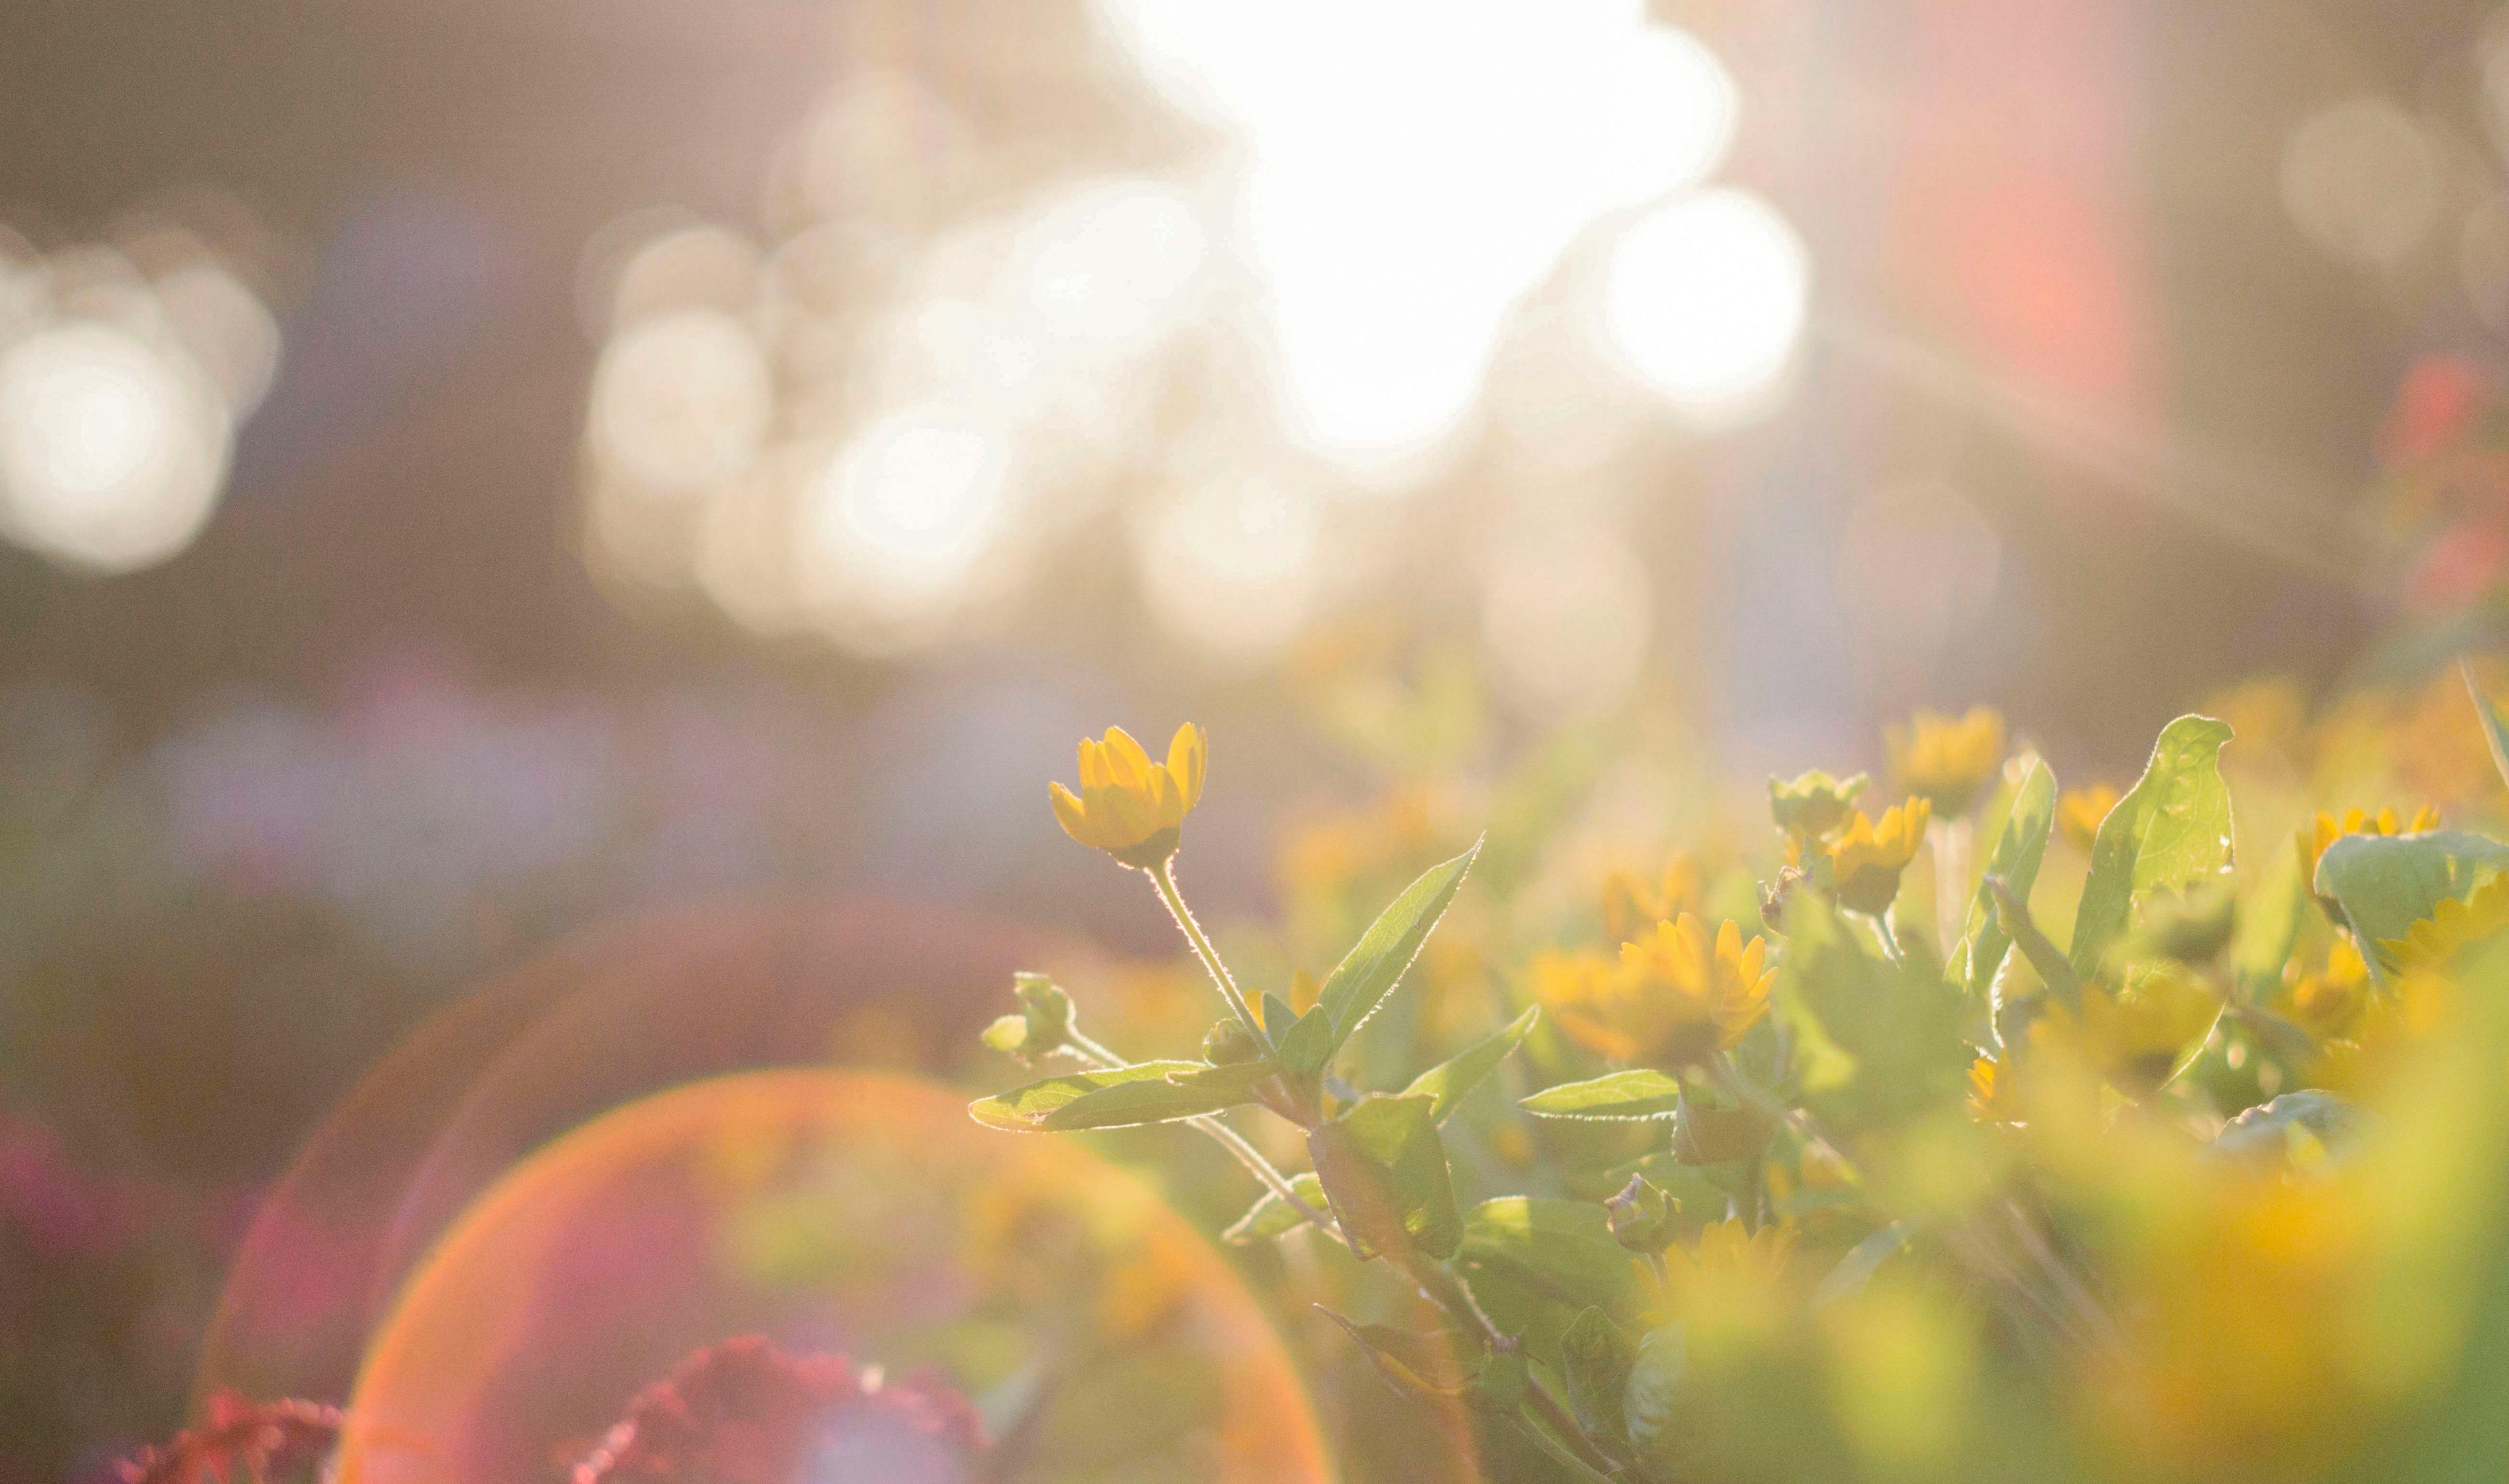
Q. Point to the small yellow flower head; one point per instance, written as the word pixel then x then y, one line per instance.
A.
pixel 1733 1282
pixel 1688 997
pixel 1130 808
pixel 2078 812
pixel 1991 1095
pixel 1631 901
pixel 2453 925
pixel 1867 857
pixel 2326 828
pixel 1814 804
pixel 1948 761
pixel 2132 1038
pixel 2329 1005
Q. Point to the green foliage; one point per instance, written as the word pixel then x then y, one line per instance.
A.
pixel 1641 1092
pixel 1881 1041
pixel 1385 1173
pixel 1563 1250
pixel 2385 883
pixel 1595 1358
pixel 1270 1216
pixel 1434 1364
pixel 2171 831
pixel 2014 860
pixel 1146 1092
pixel 1364 978
pixel 1449 1082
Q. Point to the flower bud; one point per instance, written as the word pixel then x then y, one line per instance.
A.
pixel 1041 1028
pixel 1641 1215
pixel 1227 1042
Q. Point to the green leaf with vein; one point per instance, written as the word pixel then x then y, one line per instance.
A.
pixel 1366 973
pixel 1148 1093
pixel 1450 1079
pixel 1638 1093
pixel 1564 1249
pixel 2171 831
pixel 1385 1173
pixel 1271 1216
pixel 1432 1364
pixel 2015 859
pixel 1309 1042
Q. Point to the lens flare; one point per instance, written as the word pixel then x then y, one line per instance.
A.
pixel 904 516
pixel 1704 300
pixel 680 401
pixel 826 1210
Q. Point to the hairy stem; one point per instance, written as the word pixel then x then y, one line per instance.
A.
pixel 1163 882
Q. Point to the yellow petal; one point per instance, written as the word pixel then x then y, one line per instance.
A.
pixel 1125 760
pixel 1187 753
pixel 1073 816
pixel 1093 773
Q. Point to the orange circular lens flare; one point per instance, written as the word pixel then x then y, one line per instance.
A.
pixel 832 1211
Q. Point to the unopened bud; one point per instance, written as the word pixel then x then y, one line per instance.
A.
pixel 1641 1215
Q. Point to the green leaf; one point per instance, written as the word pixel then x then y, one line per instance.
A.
pixel 1640 1093
pixel 1308 1044
pixel 1021 1108
pixel 1150 1093
pixel 1271 1216
pixel 1705 1135
pixel 1431 1364
pixel 2172 831
pixel 2495 731
pixel 2015 860
pixel 2385 883
pixel 1653 1402
pixel 1365 975
pixel 1450 1080
pixel 1594 1359
pixel 2265 1133
pixel 1385 1173
pixel 1861 1262
pixel 1564 1248
pixel 1888 1036
pixel 2269 926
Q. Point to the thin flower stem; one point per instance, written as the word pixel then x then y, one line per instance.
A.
pixel 1889 939
pixel 1227 1139
pixel 1163 880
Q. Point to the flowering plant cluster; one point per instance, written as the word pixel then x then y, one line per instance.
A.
pixel 1979 1129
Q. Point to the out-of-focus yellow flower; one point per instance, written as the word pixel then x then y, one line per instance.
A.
pixel 1812 804
pixel 2329 1004
pixel 1631 901
pixel 2244 1354
pixel 2326 828
pixel 1692 997
pixel 1868 855
pixel 1130 808
pixel 1947 762
pixel 2451 926
pixel 2132 1038
pixel 1733 1280
pixel 1991 1096
pixel 2078 812
pixel 1674 998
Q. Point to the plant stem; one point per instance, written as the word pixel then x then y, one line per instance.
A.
pixel 1951 881
pixel 1227 1139
pixel 1163 882
pixel 1560 1454
pixel 1889 939
pixel 1589 1461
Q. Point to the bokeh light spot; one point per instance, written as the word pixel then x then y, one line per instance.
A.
pixel 1705 301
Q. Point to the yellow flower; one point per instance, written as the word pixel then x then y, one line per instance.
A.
pixel 1130 808
pixel 1630 901
pixel 1946 761
pixel 1867 857
pixel 1733 1281
pixel 2326 828
pixel 2328 1005
pixel 1687 998
pixel 2078 812
pixel 2451 926
pixel 2134 1037
pixel 1991 1096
